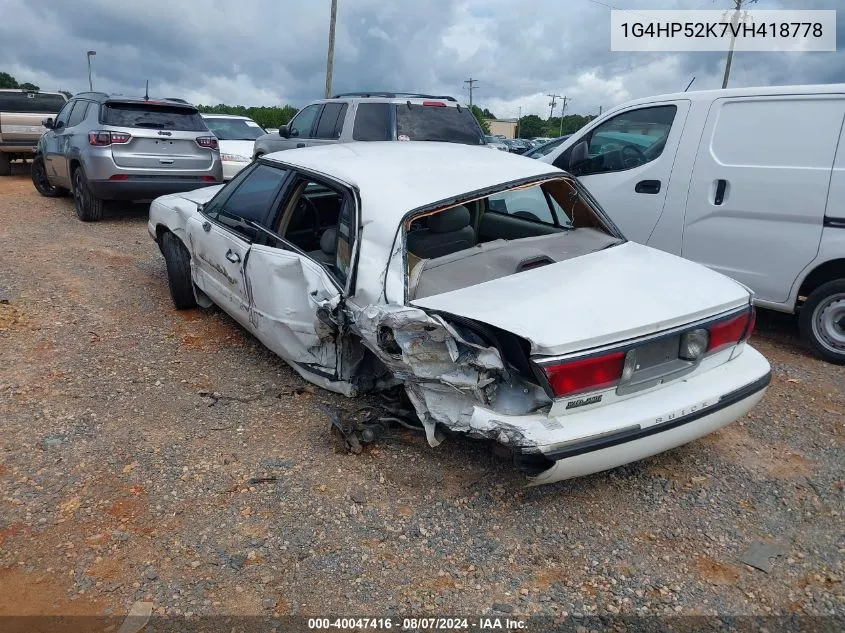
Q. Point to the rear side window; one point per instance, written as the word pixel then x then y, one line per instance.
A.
pixel 331 120
pixel 78 113
pixel 415 122
pixel 157 117
pixel 372 122
pixel 28 102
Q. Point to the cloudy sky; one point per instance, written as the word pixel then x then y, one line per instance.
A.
pixel 270 52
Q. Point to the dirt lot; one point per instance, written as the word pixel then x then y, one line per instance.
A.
pixel 120 481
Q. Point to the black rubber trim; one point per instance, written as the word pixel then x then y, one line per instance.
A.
pixel 836 223
pixel 608 441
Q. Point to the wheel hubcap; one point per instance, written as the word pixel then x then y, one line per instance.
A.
pixel 41 176
pixel 80 194
pixel 829 323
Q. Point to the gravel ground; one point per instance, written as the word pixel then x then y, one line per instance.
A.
pixel 122 480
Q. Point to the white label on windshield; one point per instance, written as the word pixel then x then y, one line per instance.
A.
pixel 252 124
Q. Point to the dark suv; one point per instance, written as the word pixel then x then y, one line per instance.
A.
pixel 375 116
pixel 105 147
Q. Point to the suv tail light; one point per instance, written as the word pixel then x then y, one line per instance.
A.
pixel 103 138
pixel 208 142
pixel 436 104
pixel 732 330
pixel 585 374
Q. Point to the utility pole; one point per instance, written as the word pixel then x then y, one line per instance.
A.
pixel 518 118
pixel 738 4
pixel 600 110
pixel 562 111
pixel 552 104
pixel 90 83
pixel 330 59
pixel 471 83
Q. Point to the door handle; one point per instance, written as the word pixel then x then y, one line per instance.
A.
pixel 232 256
pixel 721 185
pixel 648 186
pixel 206 226
pixel 300 144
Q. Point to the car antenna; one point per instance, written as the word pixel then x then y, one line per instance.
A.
pixel 690 83
pixel 147 91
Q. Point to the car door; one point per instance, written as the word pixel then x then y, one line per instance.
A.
pixel 330 124
pixel 65 138
pixel 628 164
pixel 757 197
pixel 296 295
pixel 52 145
pixel 302 127
pixel 221 235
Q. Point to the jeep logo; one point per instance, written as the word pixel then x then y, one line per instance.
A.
pixel 164 133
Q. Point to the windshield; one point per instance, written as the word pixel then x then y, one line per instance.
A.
pixel 416 122
pixel 31 102
pixel 153 116
pixel 234 129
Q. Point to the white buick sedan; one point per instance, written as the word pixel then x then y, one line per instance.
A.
pixel 493 288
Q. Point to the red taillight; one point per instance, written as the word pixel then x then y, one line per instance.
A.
pixel 732 331
pixel 436 104
pixel 102 138
pixel 209 179
pixel 208 142
pixel 119 177
pixel 585 374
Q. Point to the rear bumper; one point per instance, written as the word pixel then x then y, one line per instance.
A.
pixel 143 190
pixel 582 443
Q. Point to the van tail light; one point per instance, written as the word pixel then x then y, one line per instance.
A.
pixel 436 104
pixel 585 374
pixel 208 142
pixel 103 138
pixel 732 330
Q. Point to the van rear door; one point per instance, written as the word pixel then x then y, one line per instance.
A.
pixel 759 188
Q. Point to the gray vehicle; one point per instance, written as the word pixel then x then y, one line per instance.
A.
pixel 104 148
pixel 375 116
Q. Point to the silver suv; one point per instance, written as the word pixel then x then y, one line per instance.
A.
pixel 105 148
pixel 375 116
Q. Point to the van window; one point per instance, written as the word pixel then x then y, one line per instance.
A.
pixel 778 132
pixel 628 140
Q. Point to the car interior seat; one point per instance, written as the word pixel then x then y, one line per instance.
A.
pixel 448 232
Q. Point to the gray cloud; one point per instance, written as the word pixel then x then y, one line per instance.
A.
pixel 263 52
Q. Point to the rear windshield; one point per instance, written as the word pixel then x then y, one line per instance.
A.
pixel 234 129
pixel 24 102
pixel 158 117
pixel 415 122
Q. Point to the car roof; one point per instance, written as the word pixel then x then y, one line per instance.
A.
pixel 40 92
pixel 224 116
pixel 395 177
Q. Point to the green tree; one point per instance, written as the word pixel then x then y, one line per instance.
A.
pixel 481 118
pixel 265 116
pixel 488 114
pixel 29 86
pixel 7 81
pixel 531 126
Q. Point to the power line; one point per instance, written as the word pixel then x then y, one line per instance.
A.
pixel 471 82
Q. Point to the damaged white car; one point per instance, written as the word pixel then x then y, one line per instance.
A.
pixel 492 287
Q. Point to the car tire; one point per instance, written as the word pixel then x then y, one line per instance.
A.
pixel 42 183
pixel 5 164
pixel 178 262
pixel 89 208
pixel 822 321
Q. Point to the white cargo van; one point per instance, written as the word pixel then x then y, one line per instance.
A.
pixel 750 182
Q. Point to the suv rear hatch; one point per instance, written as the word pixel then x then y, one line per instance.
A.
pixel 437 120
pixel 162 136
pixel 21 113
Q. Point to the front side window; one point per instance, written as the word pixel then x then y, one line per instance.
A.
pixel 372 122
pixel 78 113
pixel 626 141
pixel 251 201
pixel 303 122
pixel 331 121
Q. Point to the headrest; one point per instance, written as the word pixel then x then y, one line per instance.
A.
pixel 328 242
pixel 449 220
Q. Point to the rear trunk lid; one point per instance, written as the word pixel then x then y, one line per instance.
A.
pixel 620 293
pixel 163 136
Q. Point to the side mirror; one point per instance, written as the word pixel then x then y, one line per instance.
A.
pixel 580 153
pixel 48 123
pixel 284 131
